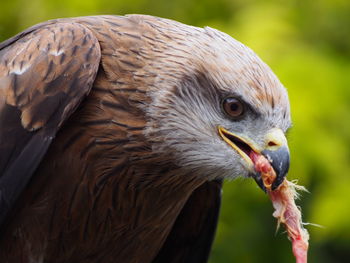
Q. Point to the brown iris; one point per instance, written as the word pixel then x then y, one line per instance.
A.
pixel 233 107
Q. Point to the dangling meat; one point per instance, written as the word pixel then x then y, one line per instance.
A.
pixel 286 211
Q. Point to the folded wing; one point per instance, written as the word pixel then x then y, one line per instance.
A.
pixel 45 72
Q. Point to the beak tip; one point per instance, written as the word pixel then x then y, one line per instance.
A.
pixel 277 182
pixel 280 160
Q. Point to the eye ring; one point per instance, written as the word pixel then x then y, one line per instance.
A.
pixel 233 107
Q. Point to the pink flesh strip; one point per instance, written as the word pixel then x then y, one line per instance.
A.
pixel 286 211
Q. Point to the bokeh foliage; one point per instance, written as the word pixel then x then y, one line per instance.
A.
pixel 307 44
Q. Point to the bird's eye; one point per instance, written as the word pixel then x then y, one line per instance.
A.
pixel 233 107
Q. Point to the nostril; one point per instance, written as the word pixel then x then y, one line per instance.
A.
pixel 271 143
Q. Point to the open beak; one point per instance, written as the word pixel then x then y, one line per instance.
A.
pixel 275 150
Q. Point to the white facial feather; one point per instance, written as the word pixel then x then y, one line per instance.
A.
pixel 202 67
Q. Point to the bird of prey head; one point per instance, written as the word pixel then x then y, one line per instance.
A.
pixel 214 103
pixel 116 133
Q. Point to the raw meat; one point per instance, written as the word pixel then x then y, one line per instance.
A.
pixel 286 211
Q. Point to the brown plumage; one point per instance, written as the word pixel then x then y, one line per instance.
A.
pixel 92 164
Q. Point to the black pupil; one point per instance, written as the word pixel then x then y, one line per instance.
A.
pixel 234 106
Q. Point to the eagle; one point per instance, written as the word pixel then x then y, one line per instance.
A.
pixel 116 133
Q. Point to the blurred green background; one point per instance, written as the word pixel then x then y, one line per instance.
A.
pixel 307 44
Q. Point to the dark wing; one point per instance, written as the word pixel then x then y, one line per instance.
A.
pixel 45 72
pixel 193 233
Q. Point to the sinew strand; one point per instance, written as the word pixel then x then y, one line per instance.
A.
pixel 288 214
pixel 286 211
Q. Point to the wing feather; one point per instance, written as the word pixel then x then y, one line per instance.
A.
pixel 45 72
pixel 193 233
